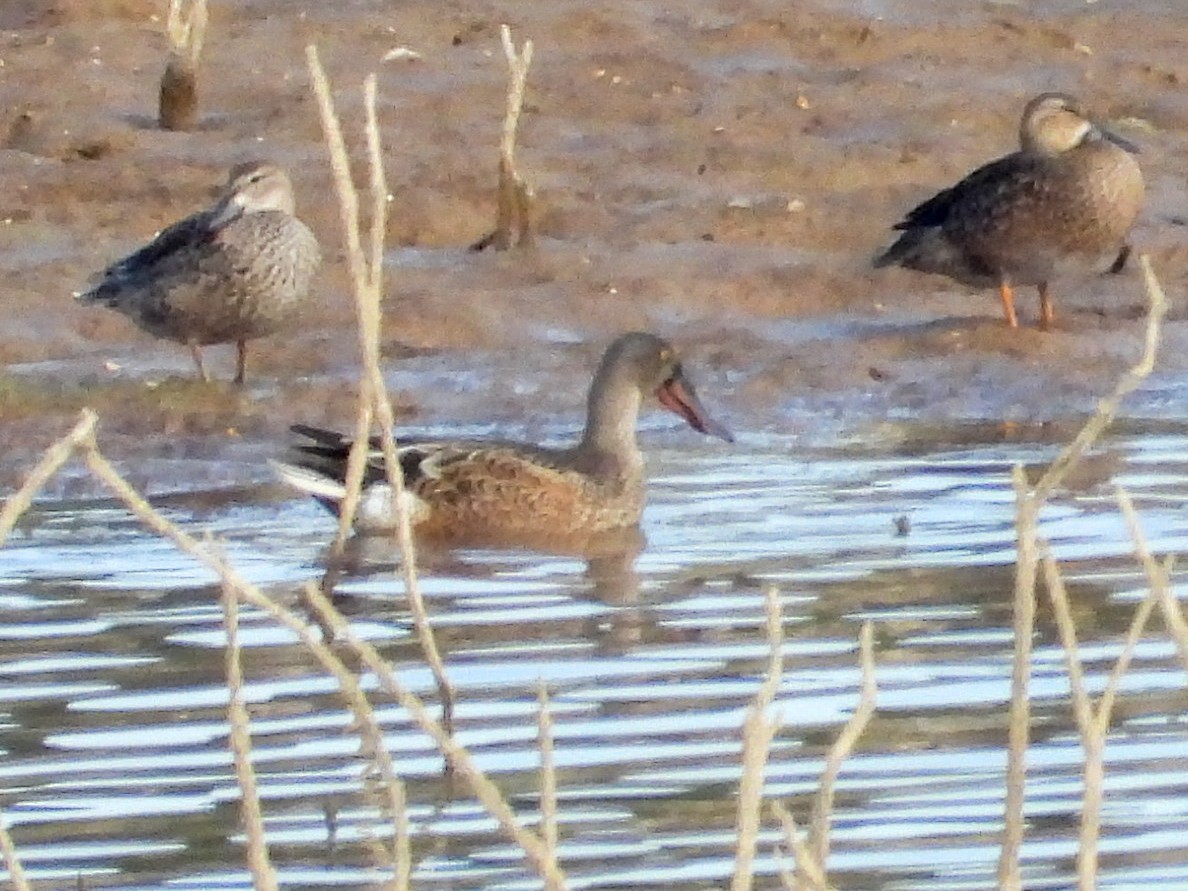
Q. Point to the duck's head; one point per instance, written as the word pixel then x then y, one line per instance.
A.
pixel 253 188
pixel 1054 123
pixel 653 365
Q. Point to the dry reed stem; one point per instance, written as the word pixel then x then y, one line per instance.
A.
pixel 1019 713
pixel 402 880
pixel 1137 624
pixel 548 773
pixel 1092 741
pixel 1158 579
pixel 240 739
pixel 843 746
pixel 514 199
pixel 758 732
pixel 187 33
pixel 459 759
pixel 1107 408
pixel 53 459
pixel 1029 502
pixel 12 862
pixel 809 874
pixel 367 283
pixel 1173 615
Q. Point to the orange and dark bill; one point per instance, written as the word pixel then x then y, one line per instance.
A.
pixel 1120 141
pixel 677 395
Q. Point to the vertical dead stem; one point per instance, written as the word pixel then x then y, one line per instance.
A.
pixel 758 732
pixel 548 774
pixel 367 282
pixel 12 863
pixel 514 196
pixel 843 746
pixel 259 863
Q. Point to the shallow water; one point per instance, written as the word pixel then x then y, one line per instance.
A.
pixel 117 772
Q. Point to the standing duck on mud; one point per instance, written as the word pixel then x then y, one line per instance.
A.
pixel 233 272
pixel 499 491
pixel 1064 202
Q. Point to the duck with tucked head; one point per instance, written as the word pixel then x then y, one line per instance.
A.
pixel 233 272
pixel 1064 202
pixel 496 490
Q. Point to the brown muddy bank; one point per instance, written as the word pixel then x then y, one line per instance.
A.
pixel 721 174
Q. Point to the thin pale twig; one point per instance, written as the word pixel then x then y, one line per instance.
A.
pixel 808 870
pixel 51 461
pixel 12 861
pixel 758 731
pixel 1158 579
pixel 1108 407
pixel 843 746
pixel 548 773
pixel 259 863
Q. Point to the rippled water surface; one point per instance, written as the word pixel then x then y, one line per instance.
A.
pixel 115 771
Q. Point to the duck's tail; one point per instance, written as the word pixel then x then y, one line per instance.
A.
pixel 325 489
pixel 376 511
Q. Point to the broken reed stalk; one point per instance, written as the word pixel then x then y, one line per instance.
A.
pixel 240 738
pixel 513 207
pixel 513 190
pixel 12 861
pixel 548 773
pixel 758 732
pixel 177 101
pixel 1158 579
pixel 366 274
pixel 843 746
pixel 1029 502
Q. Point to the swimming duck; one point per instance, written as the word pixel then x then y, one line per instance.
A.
pixel 233 272
pixel 496 490
pixel 1065 201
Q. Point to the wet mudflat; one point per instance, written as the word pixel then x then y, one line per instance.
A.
pixel 721 174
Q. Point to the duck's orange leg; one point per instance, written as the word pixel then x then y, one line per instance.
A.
pixel 1008 304
pixel 196 352
pixel 240 361
pixel 1047 315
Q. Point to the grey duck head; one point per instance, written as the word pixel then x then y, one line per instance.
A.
pixel 1055 123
